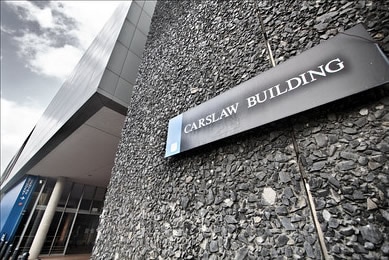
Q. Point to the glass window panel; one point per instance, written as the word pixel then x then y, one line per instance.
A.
pixel 62 234
pixel 75 195
pixel 83 234
pixel 85 204
pixel 97 206
pixel 44 199
pixel 65 193
pixel 51 233
pixel 89 192
pixel 31 231
pixel 100 194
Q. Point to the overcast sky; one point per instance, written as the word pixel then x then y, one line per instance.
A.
pixel 41 42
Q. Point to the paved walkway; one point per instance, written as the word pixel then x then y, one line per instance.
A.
pixel 64 257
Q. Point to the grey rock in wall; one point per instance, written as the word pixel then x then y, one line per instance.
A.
pixel 244 197
pixel 352 196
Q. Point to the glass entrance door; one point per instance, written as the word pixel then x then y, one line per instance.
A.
pixel 83 235
pixel 58 233
pixel 74 224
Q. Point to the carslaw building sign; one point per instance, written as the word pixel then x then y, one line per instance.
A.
pixel 347 64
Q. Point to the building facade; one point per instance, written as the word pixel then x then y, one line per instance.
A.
pixel 52 192
pixel 310 186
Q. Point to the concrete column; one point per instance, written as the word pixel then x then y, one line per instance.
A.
pixel 43 228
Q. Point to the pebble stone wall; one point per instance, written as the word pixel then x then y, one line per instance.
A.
pixel 244 197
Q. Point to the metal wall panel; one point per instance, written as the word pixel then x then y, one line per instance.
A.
pixel 77 89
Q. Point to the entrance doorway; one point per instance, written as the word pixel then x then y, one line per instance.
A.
pixel 74 224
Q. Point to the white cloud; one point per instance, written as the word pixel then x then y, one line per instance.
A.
pixel 42 55
pixel 39 50
pixel 44 17
pixel 57 62
pixel 17 121
pixel 6 30
pixel 33 13
pixel 91 17
pixel 48 60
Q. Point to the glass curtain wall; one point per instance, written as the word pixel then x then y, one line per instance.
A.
pixel 73 228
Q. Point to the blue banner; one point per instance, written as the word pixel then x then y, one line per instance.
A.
pixel 15 215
